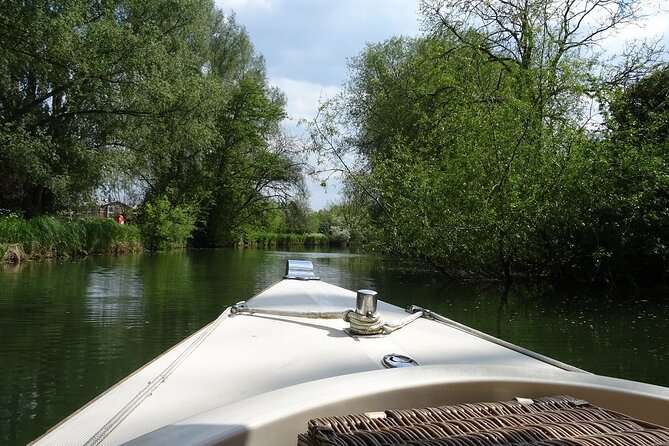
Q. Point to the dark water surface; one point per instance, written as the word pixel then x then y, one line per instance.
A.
pixel 70 330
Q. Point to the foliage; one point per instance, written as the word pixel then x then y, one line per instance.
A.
pixel 167 98
pixel 290 224
pixel 616 224
pixel 255 168
pixel 107 236
pixel 165 226
pixel 473 140
pixel 232 164
pixel 75 76
pixel 47 237
pixel 297 216
pixel 263 239
pixel 630 170
pixel 348 221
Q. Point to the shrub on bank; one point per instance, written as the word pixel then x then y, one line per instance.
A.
pixel 263 239
pixel 316 239
pixel 48 237
pixel 107 236
pixel 166 226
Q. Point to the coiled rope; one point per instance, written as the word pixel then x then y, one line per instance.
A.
pixel 360 324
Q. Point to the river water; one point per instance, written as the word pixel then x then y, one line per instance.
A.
pixel 70 330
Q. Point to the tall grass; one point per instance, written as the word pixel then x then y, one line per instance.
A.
pixel 264 239
pixel 46 237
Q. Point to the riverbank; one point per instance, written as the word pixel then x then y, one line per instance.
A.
pixel 49 237
pixel 262 239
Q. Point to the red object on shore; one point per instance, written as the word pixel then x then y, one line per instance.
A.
pixel 120 219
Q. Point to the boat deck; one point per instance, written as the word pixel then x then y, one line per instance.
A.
pixel 254 379
pixel 242 356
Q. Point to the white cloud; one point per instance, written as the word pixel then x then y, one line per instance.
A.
pixel 312 39
pixel 319 197
pixel 654 24
pixel 303 100
pixel 304 97
pixel 239 5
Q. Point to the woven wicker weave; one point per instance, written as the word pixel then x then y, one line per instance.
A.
pixel 558 420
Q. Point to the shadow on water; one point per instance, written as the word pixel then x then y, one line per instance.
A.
pixel 503 300
pixel 73 329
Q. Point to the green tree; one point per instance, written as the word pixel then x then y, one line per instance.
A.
pixel 297 216
pixel 468 135
pixel 165 226
pixel 629 173
pixel 168 95
pixel 78 77
pixel 252 167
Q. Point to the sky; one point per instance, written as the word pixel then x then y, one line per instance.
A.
pixel 307 43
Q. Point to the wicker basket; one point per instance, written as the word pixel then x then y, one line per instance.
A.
pixel 557 420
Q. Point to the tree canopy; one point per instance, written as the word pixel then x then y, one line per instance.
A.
pixel 478 143
pixel 168 95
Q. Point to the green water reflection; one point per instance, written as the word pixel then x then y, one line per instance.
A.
pixel 72 329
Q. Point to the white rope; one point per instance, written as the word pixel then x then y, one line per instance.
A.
pixel 390 327
pixel 441 319
pixel 366 325
pixel 240 307
pixel 152 385
pixel 360 324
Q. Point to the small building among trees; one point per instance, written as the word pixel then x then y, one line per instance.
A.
pixel 114 208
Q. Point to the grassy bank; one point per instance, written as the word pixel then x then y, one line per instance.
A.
pixel 262 239
pixel 49 237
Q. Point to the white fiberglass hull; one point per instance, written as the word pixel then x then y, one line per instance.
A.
pixel 257 379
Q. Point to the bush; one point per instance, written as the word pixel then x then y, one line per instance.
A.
pixel 106 235
pixel 164 226
pixel 264 239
